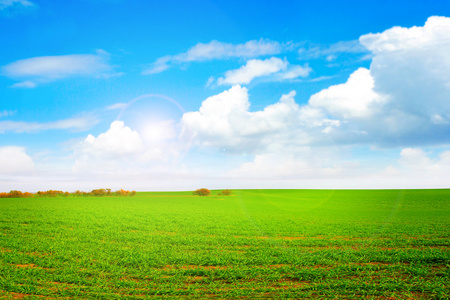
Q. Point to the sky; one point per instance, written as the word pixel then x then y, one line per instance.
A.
pixel 179 95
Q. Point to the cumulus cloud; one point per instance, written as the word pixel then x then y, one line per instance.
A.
pixel 15 161
pixel 225 121
pixel 403 99
pixel 76 124
pixel 217 50
pixel 122 148
pixel 49 68
pixel 119 140
pixel 354 99
pixel 412 65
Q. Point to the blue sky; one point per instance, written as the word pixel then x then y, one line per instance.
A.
pixel 176 95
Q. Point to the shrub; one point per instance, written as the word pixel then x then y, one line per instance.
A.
pixel 79 193
pixel 99 192
pixel 122 192
pixel 226 192
pixel 15 194
pixel 202 192
pixel 50 193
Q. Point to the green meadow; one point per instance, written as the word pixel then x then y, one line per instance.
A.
pixel 293 244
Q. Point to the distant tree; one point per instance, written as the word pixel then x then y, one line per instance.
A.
pixel 202 192
pixel 50 193
pixel 226 192
pixel 15 194
pixel 99 192
pixel 79 193
pixel 122 192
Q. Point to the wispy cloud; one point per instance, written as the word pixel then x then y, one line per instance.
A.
pixel 330 53
pixel 259 68
pixel 49 68
pixel 76 124
pixel 218 50
pixel 24 85
pixel 8 3
pixel 7 113
pixel 117 106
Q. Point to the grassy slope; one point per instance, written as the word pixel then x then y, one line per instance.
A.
pixel 272 243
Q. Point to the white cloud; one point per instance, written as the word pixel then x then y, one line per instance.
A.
pixel 117 106
pixel 258 68
pixel 354 99
pixel 119 140
pixel 433 34
pixel 332 52
pixel 323 167
pixel 14 161
pixel 253 68
pixel 160 65
pixel 217 50
pixel 403 99
pixel 50 68
pixel 121 148
pixel 77 124
pixel 8 3
pixel 293 72
pixel 25 85
pixel 224 121
pixel 420 170
pixel 282 165
pixel 412 65
pixel 6 113
pixel 414 157
pixel 220 50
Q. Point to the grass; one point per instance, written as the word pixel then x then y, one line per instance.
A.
pixel 351 244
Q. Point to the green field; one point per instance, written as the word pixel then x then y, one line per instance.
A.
pixel 378 244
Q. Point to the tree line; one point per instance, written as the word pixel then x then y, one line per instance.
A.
pixel 78 193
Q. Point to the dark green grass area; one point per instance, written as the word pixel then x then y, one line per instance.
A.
pixel 293 244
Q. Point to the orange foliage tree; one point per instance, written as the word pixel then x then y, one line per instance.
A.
pixel 202 192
